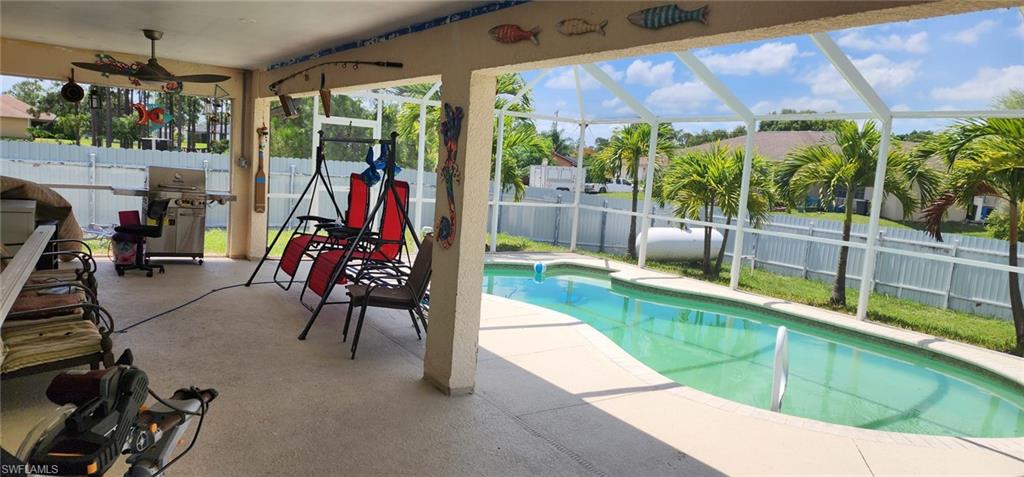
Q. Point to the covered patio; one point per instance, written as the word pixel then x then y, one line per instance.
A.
pixel 497 387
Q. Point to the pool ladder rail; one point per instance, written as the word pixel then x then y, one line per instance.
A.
pixel 780 369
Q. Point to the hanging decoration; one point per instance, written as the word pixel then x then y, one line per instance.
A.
pixel 580 26
pixel 344 64
pixel 154 116
pixel 71 91
pixel 509 33
pixel 95 101
pixel 370 175
pixel 450 172
pixel 325 95
pixel 667 15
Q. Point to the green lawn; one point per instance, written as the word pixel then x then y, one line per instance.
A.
pixel 986 332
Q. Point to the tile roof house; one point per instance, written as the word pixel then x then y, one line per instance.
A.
pixel 15 118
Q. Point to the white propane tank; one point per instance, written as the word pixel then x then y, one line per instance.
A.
pixel 672 243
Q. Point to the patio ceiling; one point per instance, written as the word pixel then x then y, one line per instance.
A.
pixel 231 34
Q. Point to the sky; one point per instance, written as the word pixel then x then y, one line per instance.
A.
pixel 957 62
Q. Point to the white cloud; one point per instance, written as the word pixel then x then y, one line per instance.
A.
pixel 881 73
pixel 970 36
pixel 1019 31
pixel 769 58
pixel 562 78
pixel 986 84
pixel 915 43
pixel 647 73
pixel 801 103
pixel 679 97
pixel 616 105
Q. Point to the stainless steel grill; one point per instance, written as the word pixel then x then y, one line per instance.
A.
pixel 185 224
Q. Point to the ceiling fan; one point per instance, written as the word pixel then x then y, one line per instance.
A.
pixel 150 71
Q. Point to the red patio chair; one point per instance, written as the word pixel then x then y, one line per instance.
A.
pixel 305 244
pixel 330 267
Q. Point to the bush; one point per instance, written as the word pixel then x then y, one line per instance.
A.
pixel 218 147
pixel 998 224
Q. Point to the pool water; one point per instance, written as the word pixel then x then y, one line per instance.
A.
pixel 729 351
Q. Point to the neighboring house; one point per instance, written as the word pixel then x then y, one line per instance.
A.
pixel 15 118
pixel 560 160
pixel 774 145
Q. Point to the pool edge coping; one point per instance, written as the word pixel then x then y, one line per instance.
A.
pixel 869 330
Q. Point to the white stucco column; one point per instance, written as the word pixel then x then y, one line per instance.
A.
pixel 450 359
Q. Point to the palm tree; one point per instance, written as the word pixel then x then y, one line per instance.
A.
pixel 699 182
pixel 624 151
pixel 984 157
pixel 408 121
pixel 521 141
pixel 847 166
pixel 560 143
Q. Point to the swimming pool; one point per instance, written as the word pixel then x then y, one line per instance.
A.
pixel 727 351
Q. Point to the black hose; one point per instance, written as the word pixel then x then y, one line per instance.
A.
pixel 183 305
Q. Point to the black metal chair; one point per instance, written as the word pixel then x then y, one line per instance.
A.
pixel 391 285
pixel 138 233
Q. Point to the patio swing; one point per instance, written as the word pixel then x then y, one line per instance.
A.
pixel 351 252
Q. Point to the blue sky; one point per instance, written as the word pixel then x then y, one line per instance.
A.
pixel 957 62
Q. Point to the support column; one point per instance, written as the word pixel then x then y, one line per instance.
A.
pixel 499 155
pixel 741 217
pixel 877 196
pixel 421 153
pixel 450 359
pixel 645 218
pixel 578 188
pixel 258 221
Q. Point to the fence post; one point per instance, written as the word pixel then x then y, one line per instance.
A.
pixel 92 193
pixel 807 249
pixel 753 255
pixel 874 283
pixel 604 224
pixel 558 215
pixel 952 271
pixel 291 185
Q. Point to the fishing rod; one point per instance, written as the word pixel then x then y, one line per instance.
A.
pixel 344 65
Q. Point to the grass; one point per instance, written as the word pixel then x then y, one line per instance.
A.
pixel 87 142
pixel 989 333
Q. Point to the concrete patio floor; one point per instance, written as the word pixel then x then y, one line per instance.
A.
pixel 550 399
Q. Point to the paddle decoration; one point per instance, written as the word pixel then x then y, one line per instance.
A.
pixel 449 172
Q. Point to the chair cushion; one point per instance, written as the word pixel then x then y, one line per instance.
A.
pixel 46 343
pixel 29 301
pixel 385 297
pixel 297 248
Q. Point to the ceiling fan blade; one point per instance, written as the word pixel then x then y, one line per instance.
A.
pixel 105 69
pixel 202 78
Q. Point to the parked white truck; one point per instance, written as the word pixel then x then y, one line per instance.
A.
pixel 613 185
pixel 553 177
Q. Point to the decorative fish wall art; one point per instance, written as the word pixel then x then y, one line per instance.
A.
pixel 579 26
pixel 667 15
pixel 508 33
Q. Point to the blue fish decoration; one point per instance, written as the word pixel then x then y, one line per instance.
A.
pixel 667 15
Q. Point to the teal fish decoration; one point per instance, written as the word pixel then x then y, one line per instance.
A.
pixel 667 15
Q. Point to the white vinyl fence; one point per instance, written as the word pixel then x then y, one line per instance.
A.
pixel 543 215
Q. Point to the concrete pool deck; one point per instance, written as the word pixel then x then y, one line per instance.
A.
pixel 552 398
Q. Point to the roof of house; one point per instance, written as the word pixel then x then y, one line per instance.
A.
pixel 11 107
pixel 570 160
pixel 772 144
pixel 776 144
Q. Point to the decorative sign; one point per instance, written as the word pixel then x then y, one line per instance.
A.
pixel 667 15
pixel 450 172
pixel 579 26
pixel 508 33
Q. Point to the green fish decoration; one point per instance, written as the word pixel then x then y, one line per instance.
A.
pixel 667 15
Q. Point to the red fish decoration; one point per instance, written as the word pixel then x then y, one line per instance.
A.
pixel 152 116
pixel 508 33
